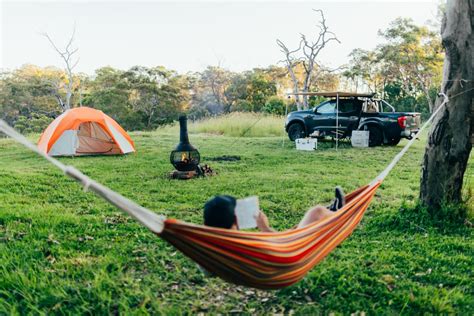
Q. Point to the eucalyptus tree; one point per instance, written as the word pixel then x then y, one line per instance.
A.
pixel 157 93
pixel 215 80
pixel 452 134
pixel 413 55
pixel 365 71
pixel 26 93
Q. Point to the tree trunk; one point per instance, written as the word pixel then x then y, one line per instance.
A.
pixel 428 98
pixel 426 91
pixel 449 141
pixel 295 88
pixel 305 100
pixel 297 99
pixel 306 90
pixel 67 105
pixel 307 83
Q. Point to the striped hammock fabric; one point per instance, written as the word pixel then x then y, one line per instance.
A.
pixel 267 260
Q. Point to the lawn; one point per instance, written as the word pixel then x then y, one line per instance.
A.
pixel 64 251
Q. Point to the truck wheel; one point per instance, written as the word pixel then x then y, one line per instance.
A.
pixel 394 141
pixel 375 136
pixel 296 131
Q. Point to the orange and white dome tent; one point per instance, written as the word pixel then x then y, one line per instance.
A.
pixel 85 131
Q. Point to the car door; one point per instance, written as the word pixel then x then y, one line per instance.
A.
pixel 348 116
pixel 324 116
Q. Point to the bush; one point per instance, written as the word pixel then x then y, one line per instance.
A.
pixel 34 124
pixel 315 100
pixel 242 106
pixel 275 105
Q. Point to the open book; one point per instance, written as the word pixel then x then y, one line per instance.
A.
pixel 246 212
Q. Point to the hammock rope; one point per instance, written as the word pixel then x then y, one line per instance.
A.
pixel 147 218
pixel 254 259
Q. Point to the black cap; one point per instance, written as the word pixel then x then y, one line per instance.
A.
pixel 220 211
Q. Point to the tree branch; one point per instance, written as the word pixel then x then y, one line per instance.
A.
pixel 66 56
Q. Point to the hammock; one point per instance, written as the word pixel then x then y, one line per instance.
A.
pixel 254 259
pixel 267 260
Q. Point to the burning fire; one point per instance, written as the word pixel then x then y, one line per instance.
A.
pixel 184 156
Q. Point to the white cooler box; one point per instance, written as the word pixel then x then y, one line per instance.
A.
pixel 306 143
pixel 360 139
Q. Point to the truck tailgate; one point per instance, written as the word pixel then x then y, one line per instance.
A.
pixel 413 121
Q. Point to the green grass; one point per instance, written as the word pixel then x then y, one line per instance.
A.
pixel 236 124
pixel 64 251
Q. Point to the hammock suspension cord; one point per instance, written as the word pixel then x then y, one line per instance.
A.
pixel 149 219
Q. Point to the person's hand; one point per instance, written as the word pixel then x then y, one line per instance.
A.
pixel 262 222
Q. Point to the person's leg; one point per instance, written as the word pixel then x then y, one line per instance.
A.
pixel 315 214
pixel 341 197
pixel 339 201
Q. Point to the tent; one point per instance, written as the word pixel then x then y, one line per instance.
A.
pixel 85 131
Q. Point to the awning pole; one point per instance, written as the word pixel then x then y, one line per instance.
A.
pixel 286 115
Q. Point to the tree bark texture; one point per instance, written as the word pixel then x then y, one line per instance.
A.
pixel 449 141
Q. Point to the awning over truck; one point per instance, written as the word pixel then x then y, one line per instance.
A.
pixel 335 94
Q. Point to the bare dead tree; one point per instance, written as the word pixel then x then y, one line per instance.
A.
pixel 310 50
pixel 449 141
pixel 67 56
pixel 55 90
pixel 290 62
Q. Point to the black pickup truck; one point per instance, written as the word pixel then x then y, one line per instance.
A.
pixel 356 112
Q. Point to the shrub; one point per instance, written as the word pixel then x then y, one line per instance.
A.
pixel 242 106
pixel 34 124
pixel 275 105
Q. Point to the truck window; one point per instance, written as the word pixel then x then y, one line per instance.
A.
pixel 328 108
pixel 347 106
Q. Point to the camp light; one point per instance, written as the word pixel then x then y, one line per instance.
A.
pixel 184 157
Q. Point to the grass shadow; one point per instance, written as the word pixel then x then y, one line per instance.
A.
pixel 450 219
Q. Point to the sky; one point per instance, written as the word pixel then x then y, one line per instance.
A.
pixel 190 35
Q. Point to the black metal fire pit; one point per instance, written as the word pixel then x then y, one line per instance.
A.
pixel 184 157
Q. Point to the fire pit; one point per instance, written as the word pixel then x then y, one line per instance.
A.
pixel 184 157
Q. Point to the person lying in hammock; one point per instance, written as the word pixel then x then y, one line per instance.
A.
pixel 220 212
